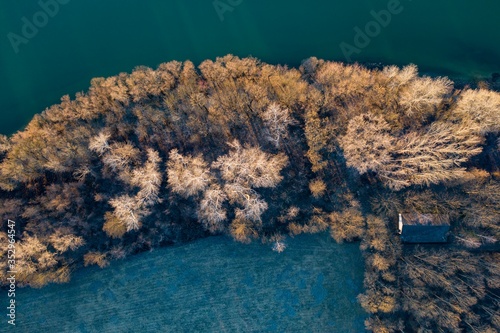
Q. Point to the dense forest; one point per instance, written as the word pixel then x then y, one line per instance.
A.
pixel 263 152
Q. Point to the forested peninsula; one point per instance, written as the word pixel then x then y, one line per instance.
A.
pixel 262 152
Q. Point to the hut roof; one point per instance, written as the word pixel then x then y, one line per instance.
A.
pixel 424 228
pixel 425 219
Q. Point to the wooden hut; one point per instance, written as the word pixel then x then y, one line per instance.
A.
pixel 424 228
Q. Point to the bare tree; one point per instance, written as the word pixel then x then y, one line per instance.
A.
pixel 443 288
pixel 399 78
pixel 187 175
pixel 35 263
pixel 251 166
pixel 367 144
pixel 277 120
pixel 242 169
pixel 421 158
pixel 148 179
pixel 253 209
pixel 100 143
pixel 423 95
pixel 433 156
pixel 237 192
pixel 120 155
pixel 211 211
pixel 128 210
pixel 279 244
pixel 62 241
pixel 482 107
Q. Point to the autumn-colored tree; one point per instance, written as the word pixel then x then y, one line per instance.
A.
pixel 4 144
pixel 63 241
pixel 95 258
pixel 278 241
pixel 242 231
pixel 317 223
pixel 43 148
pixel 142 83
pixel 418 98
pixel 347 225
pixel 384 325
pixel 61 200
pixel 400 78
pixel 317 187
pixel 113 226
pixel 381 253
pixel 318 134
pixel 36 264
pixel 433 156
pixel 32 257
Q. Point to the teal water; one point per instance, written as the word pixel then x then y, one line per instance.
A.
pixel 94 38
pixel 210 285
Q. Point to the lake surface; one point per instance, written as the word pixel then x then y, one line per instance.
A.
pixel 210 285
pixel 95 38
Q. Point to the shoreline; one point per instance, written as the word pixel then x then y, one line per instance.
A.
pixel 460 81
